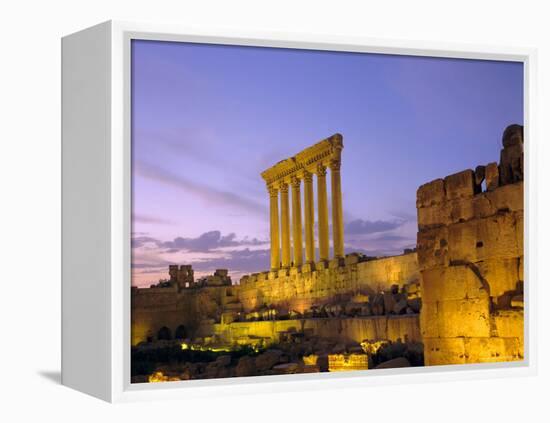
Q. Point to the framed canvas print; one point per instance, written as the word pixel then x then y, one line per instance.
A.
pixel 270 209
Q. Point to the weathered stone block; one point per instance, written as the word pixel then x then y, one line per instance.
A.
pixel 429 326
pixel 267 360
pixel 430 194
pixel 505 198
pixel 458 318
pixel 441 351
pixel 501 274
pixel 245 367
pixel 460 210
pixel 509 323
pixel 462 241
pixel 452 211
pixel 497 236
pixel 432 248
pixel 482 206
pixel 459 185
pixel 481 239
pixel 490 350
pixel 455 318
pixel 511 164
pixel 512 135
pixel 451 283
pixel 492 176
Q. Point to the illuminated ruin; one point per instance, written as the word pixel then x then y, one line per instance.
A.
pixel 457 298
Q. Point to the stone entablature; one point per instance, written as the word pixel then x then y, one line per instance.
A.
pixel 313 160
pixel 322 153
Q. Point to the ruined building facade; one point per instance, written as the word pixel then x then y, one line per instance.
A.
pixel 460 293
pixel 470 256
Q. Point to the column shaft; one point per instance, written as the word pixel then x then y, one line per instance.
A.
pixel 337 214
pixel 285 223
pixel 322 212
pixel 297 222
pixel 309 216
pixel 274 220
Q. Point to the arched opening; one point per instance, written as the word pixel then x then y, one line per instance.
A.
pixel 181 333
pixel 164 334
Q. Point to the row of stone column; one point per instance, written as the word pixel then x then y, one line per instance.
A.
pixel 280 247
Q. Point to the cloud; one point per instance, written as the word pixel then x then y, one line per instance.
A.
pixel 150 219
pixel 208 241
pixel 381 237
pixel 209 195
pixel 237 261
pixel 363 227
pixel 141 241
pixel 391 237
pixel 405 215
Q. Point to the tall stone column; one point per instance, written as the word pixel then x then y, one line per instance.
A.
pixel 285 225
pixel 309 217
pixel 296 222
pixel 337 213
pixel 274 220
pixel 322 212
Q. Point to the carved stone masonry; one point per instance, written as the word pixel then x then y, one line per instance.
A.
pixel 313 160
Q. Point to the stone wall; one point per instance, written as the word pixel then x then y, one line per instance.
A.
pixel 470 256
pixel 171 306
pixel 405 328
pixel 300 290
pixel 157 308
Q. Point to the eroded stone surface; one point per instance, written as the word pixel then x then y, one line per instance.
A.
pixel 470 255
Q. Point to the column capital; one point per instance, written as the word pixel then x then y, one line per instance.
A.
pixel 273 190
pixel 308 177
pixel 295 181
pixel 335 165
pixel 321 170
pixel 283 187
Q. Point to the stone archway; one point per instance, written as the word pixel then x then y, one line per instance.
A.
pixel 181 332
pixel 164 334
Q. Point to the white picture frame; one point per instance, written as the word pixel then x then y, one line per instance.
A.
pixel 97 216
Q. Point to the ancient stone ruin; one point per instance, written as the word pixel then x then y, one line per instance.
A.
pixel 456 298
pixel 470 256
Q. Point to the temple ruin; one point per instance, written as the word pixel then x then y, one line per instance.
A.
pixel 303 166
pixel 457 298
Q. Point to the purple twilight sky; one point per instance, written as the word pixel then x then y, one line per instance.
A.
pixel 207 119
